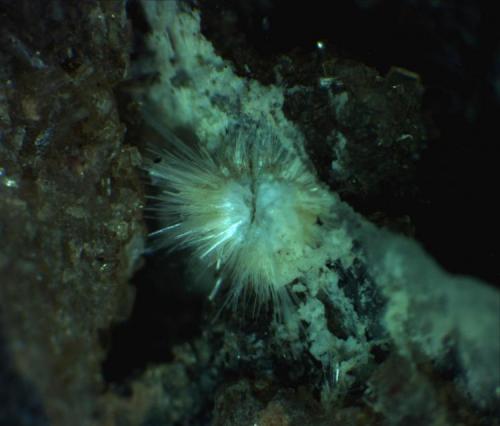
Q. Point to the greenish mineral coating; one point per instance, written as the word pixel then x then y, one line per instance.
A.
pixel 381 335
pixel 367 297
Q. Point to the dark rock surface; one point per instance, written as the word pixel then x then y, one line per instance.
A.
pixel 70 205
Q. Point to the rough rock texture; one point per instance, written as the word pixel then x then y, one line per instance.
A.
pixel 70 205
pixel 365 346
pixel 365 131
